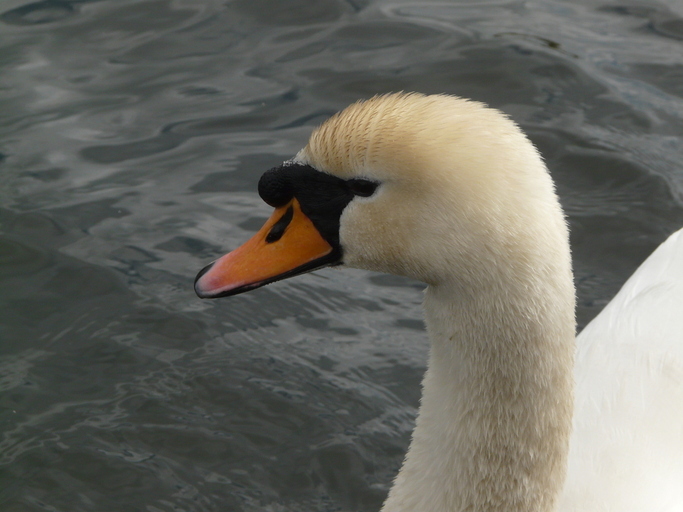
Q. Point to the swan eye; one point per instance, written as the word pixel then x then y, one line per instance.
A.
pixel 361 187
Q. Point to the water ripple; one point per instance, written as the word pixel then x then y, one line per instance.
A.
pixel 132 140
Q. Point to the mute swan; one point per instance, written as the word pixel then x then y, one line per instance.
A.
pixel 452 193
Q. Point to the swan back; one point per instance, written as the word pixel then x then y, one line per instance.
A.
pixel 626 451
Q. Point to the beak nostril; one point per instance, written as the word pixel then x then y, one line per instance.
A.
pixel 280 226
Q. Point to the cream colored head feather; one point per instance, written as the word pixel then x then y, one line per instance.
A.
pixel 452 171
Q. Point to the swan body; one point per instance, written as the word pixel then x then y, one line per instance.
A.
pixel 451 192
pixel 626 451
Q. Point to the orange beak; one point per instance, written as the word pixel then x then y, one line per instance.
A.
pixel 288 244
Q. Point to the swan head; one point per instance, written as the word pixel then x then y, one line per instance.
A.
pixel 436 188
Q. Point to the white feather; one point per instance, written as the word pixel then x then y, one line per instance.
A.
pixel 626 451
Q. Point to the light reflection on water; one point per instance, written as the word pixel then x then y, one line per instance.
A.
pixel 132 138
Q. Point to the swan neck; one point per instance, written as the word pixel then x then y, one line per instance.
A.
pixel 495 417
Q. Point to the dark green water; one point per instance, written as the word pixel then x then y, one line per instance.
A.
pixel 132 137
